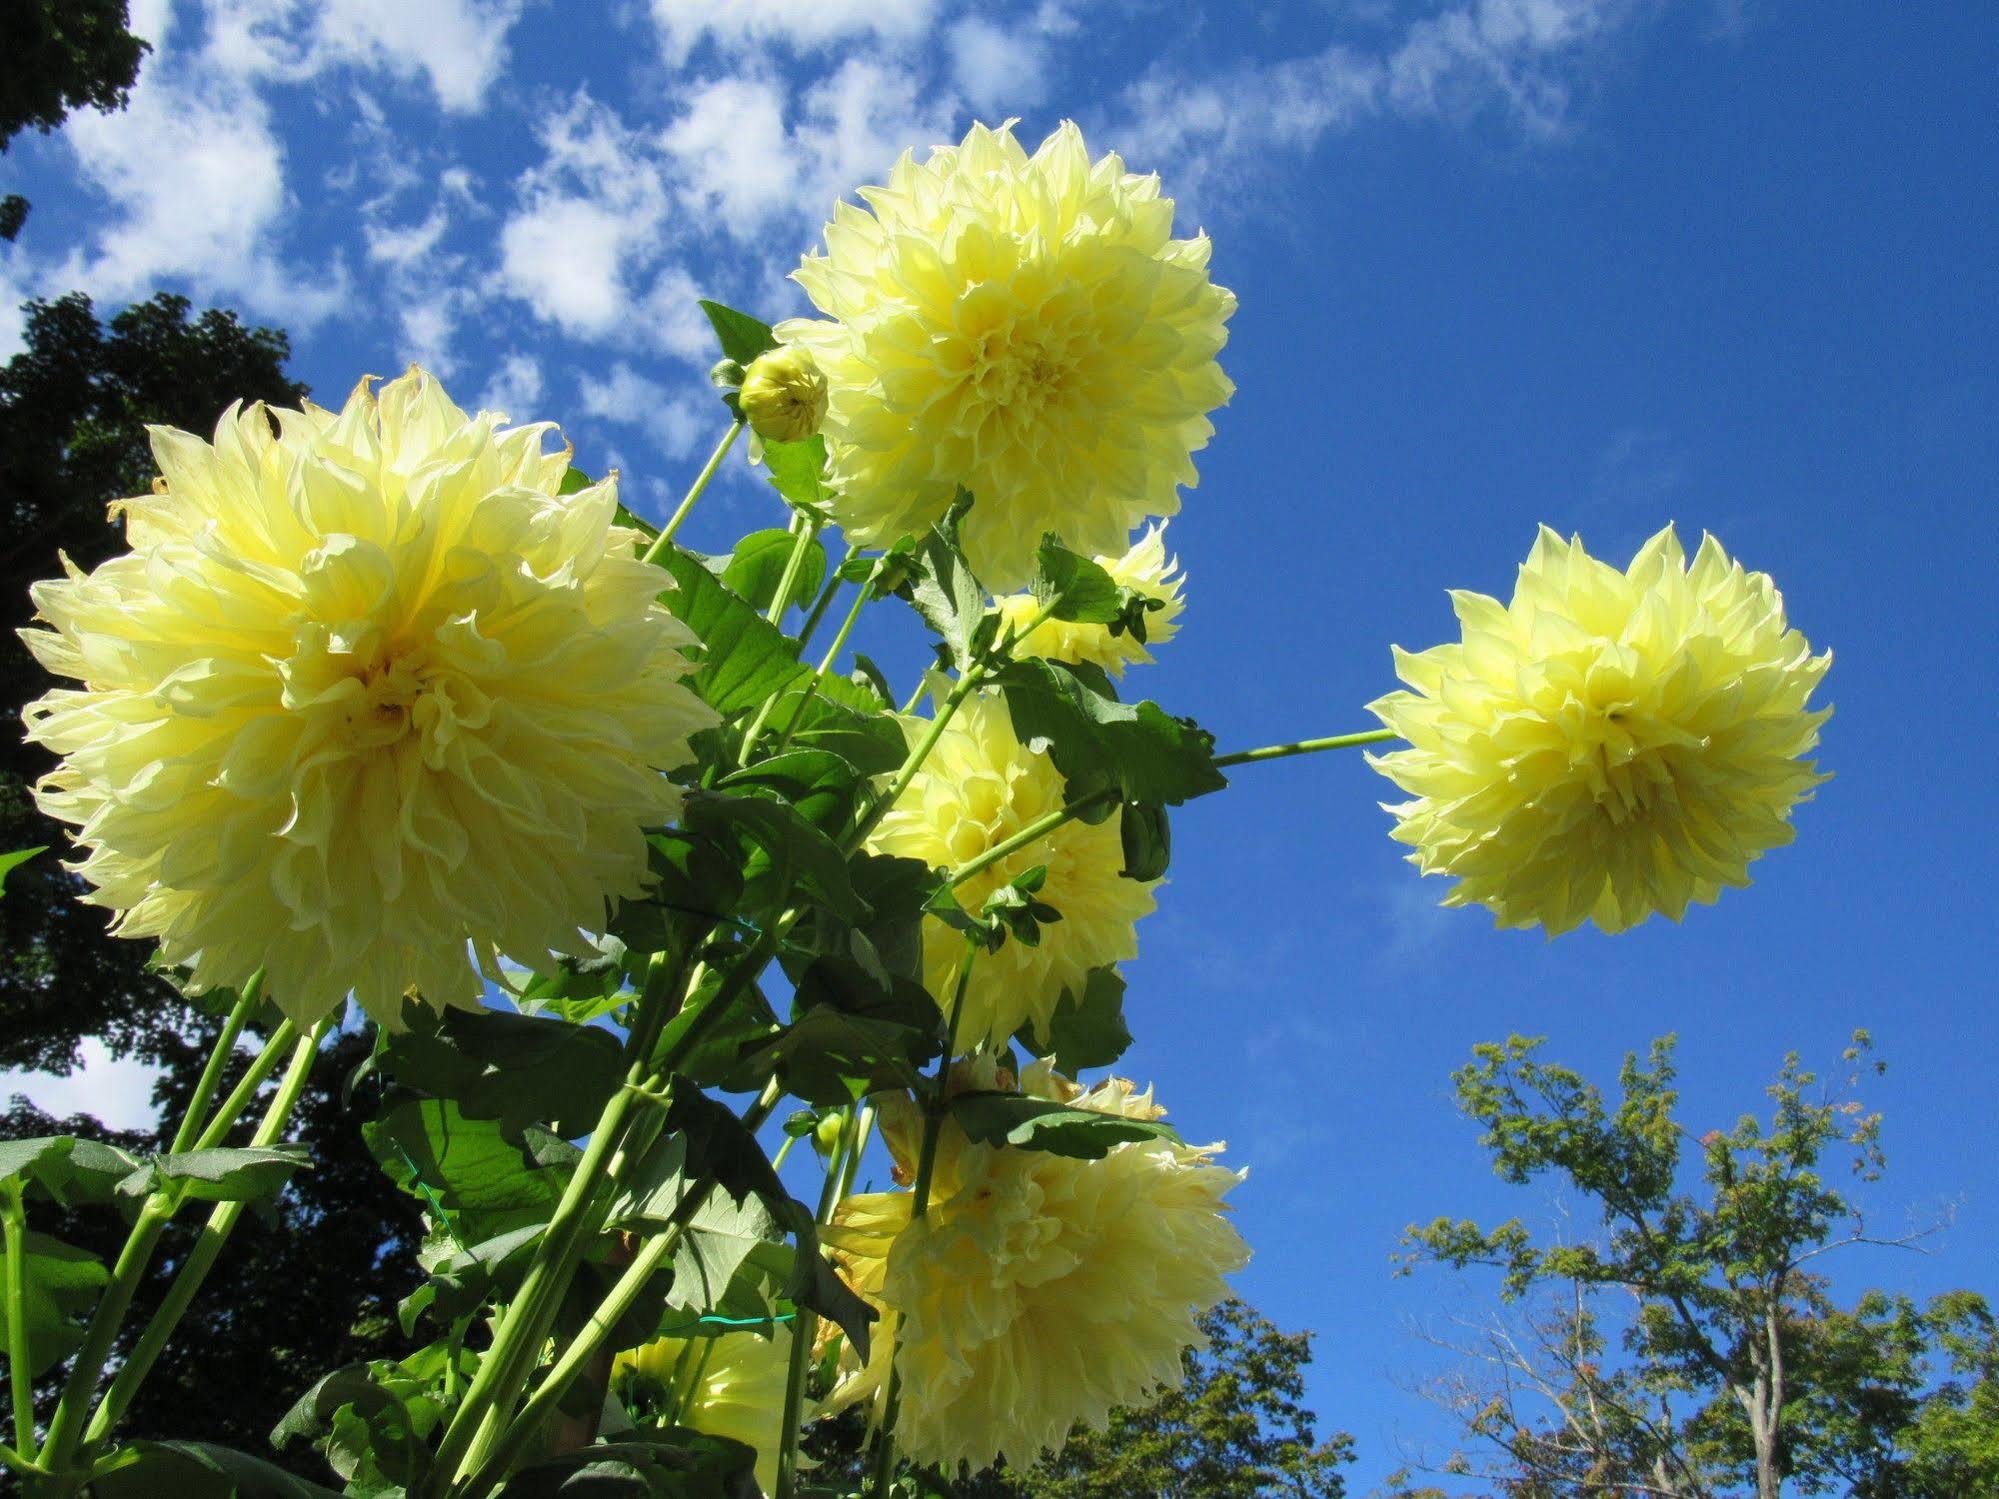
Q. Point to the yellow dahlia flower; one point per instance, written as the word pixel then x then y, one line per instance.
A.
pixel 1038 1291
pixel 1609 744
pixel 728 1386
pixel 1145 569
pixel 980 786
pixel 365 697
pixel 1025 326
pixel 783 395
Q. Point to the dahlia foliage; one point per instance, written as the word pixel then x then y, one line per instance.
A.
pixel 641 879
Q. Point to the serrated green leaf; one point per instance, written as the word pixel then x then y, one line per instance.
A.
pixel 462 1168
pixel 63 1284
pixel 1078 589
pixel 744 657
pixel 1098 742
pixel 741 336
pixel 756 566
pixel 221 1174
pixel 797 470
pixel 496 1064
pixel 1039 1124
pixel 1085 1031
pixel 943 589
pixel 797 855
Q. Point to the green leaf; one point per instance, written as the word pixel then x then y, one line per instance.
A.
pixel 943 589
pixel 29 1160
pixel 463 1281
pixel 1098 742
pixel 696 884
pixel 741 336
pixel 1085 1032
pixel 1148 843
pixel 718 1238
pixel 496 1064
pixel 744 657
pixel 852 1033
pixel 721 1148
pixel 573 479
pixel 1038 1124
pixel 63 1284
pixel 1078 588
pixel 11 862
pixel 844 719
pixel 749 1022
pixel 222 1174
pixel 757 565
pixel 817 1287
pixel 674 1463
pixel 463 1169
pixel 198 1470
pixel 797 470
pixel 797 855
pixel 823 787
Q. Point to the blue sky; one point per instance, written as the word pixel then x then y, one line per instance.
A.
pixel 1599 263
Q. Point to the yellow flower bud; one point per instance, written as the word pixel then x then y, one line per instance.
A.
pixel 784 395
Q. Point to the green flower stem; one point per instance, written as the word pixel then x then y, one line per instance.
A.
pixel 103 1330
pixel 1306 747
pixel 946 711
pixel 934 1110
pixel 819 674
pixel 14 1220
pixel 805 532
pixel 673 524
pixel 518 1339
pixel 1036 830
pixel 804 1329
pixel 282 1040
pixel 590 1339
pixel 825 600
pixel 218 1058
pixel 207 1246
pixel 9 1458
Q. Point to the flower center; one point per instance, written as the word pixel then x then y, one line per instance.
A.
pixel 391 687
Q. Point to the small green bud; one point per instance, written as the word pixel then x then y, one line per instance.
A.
pixel 726 374
pixel 784 395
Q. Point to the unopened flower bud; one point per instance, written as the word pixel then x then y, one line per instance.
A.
pixel 726 374
pixel 826 1134
pixel 784 395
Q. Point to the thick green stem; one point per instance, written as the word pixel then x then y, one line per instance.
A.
pixel 825 600
pixel 1306 747
pixel 805 532
pixel 1034 832
pixel 819 674
pixel 517 1340
pixel 805 1328
pixel 674 522
pixel 934 1110
pixel 590 1339
pixel 281 1041
pixel 218 1059
pixel 14 1219
pixel 103 1330
pixel 207 1246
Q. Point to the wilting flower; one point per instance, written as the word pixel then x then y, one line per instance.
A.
pixel 365 692
pixel 1144 569
pixel 1026 327
pixel 1038 1291
pixel 1610 744
pixel 728 1386
pixel 783 395
pixel 979 787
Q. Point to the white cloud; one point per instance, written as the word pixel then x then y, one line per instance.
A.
pixel 732 151
pixel 196 181
pixel 515 388
pixel 858 120
pixel 118 1091
pixel 1001 70
pixel 400 245
pixel 672 419
pixel 458 46
pixel 591 215
pixel 737 24
pixel 1521 56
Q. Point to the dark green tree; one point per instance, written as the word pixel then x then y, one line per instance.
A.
pixel 1236 1429
pixel 74 407
pixel 61 55
pixel 1692 1349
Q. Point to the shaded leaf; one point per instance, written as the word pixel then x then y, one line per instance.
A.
pixel 744 657
pixel 1039 1124
pixel 1098 742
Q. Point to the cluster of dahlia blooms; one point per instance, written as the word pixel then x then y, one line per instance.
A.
pixel 391 704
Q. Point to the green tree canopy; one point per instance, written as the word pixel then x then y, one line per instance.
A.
pixel 61 55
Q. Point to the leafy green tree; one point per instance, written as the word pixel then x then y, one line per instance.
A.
pixel 74 407
pixel 1693 1349
pixel 1236 1429
pixel 61 55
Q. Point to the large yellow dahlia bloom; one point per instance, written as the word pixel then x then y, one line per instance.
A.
pixel 1026 326
pixel 366 697
pixel 1145 569
pixel 1038 1291
pixel 979 787
pixel 1609 744
pixel 728 1386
